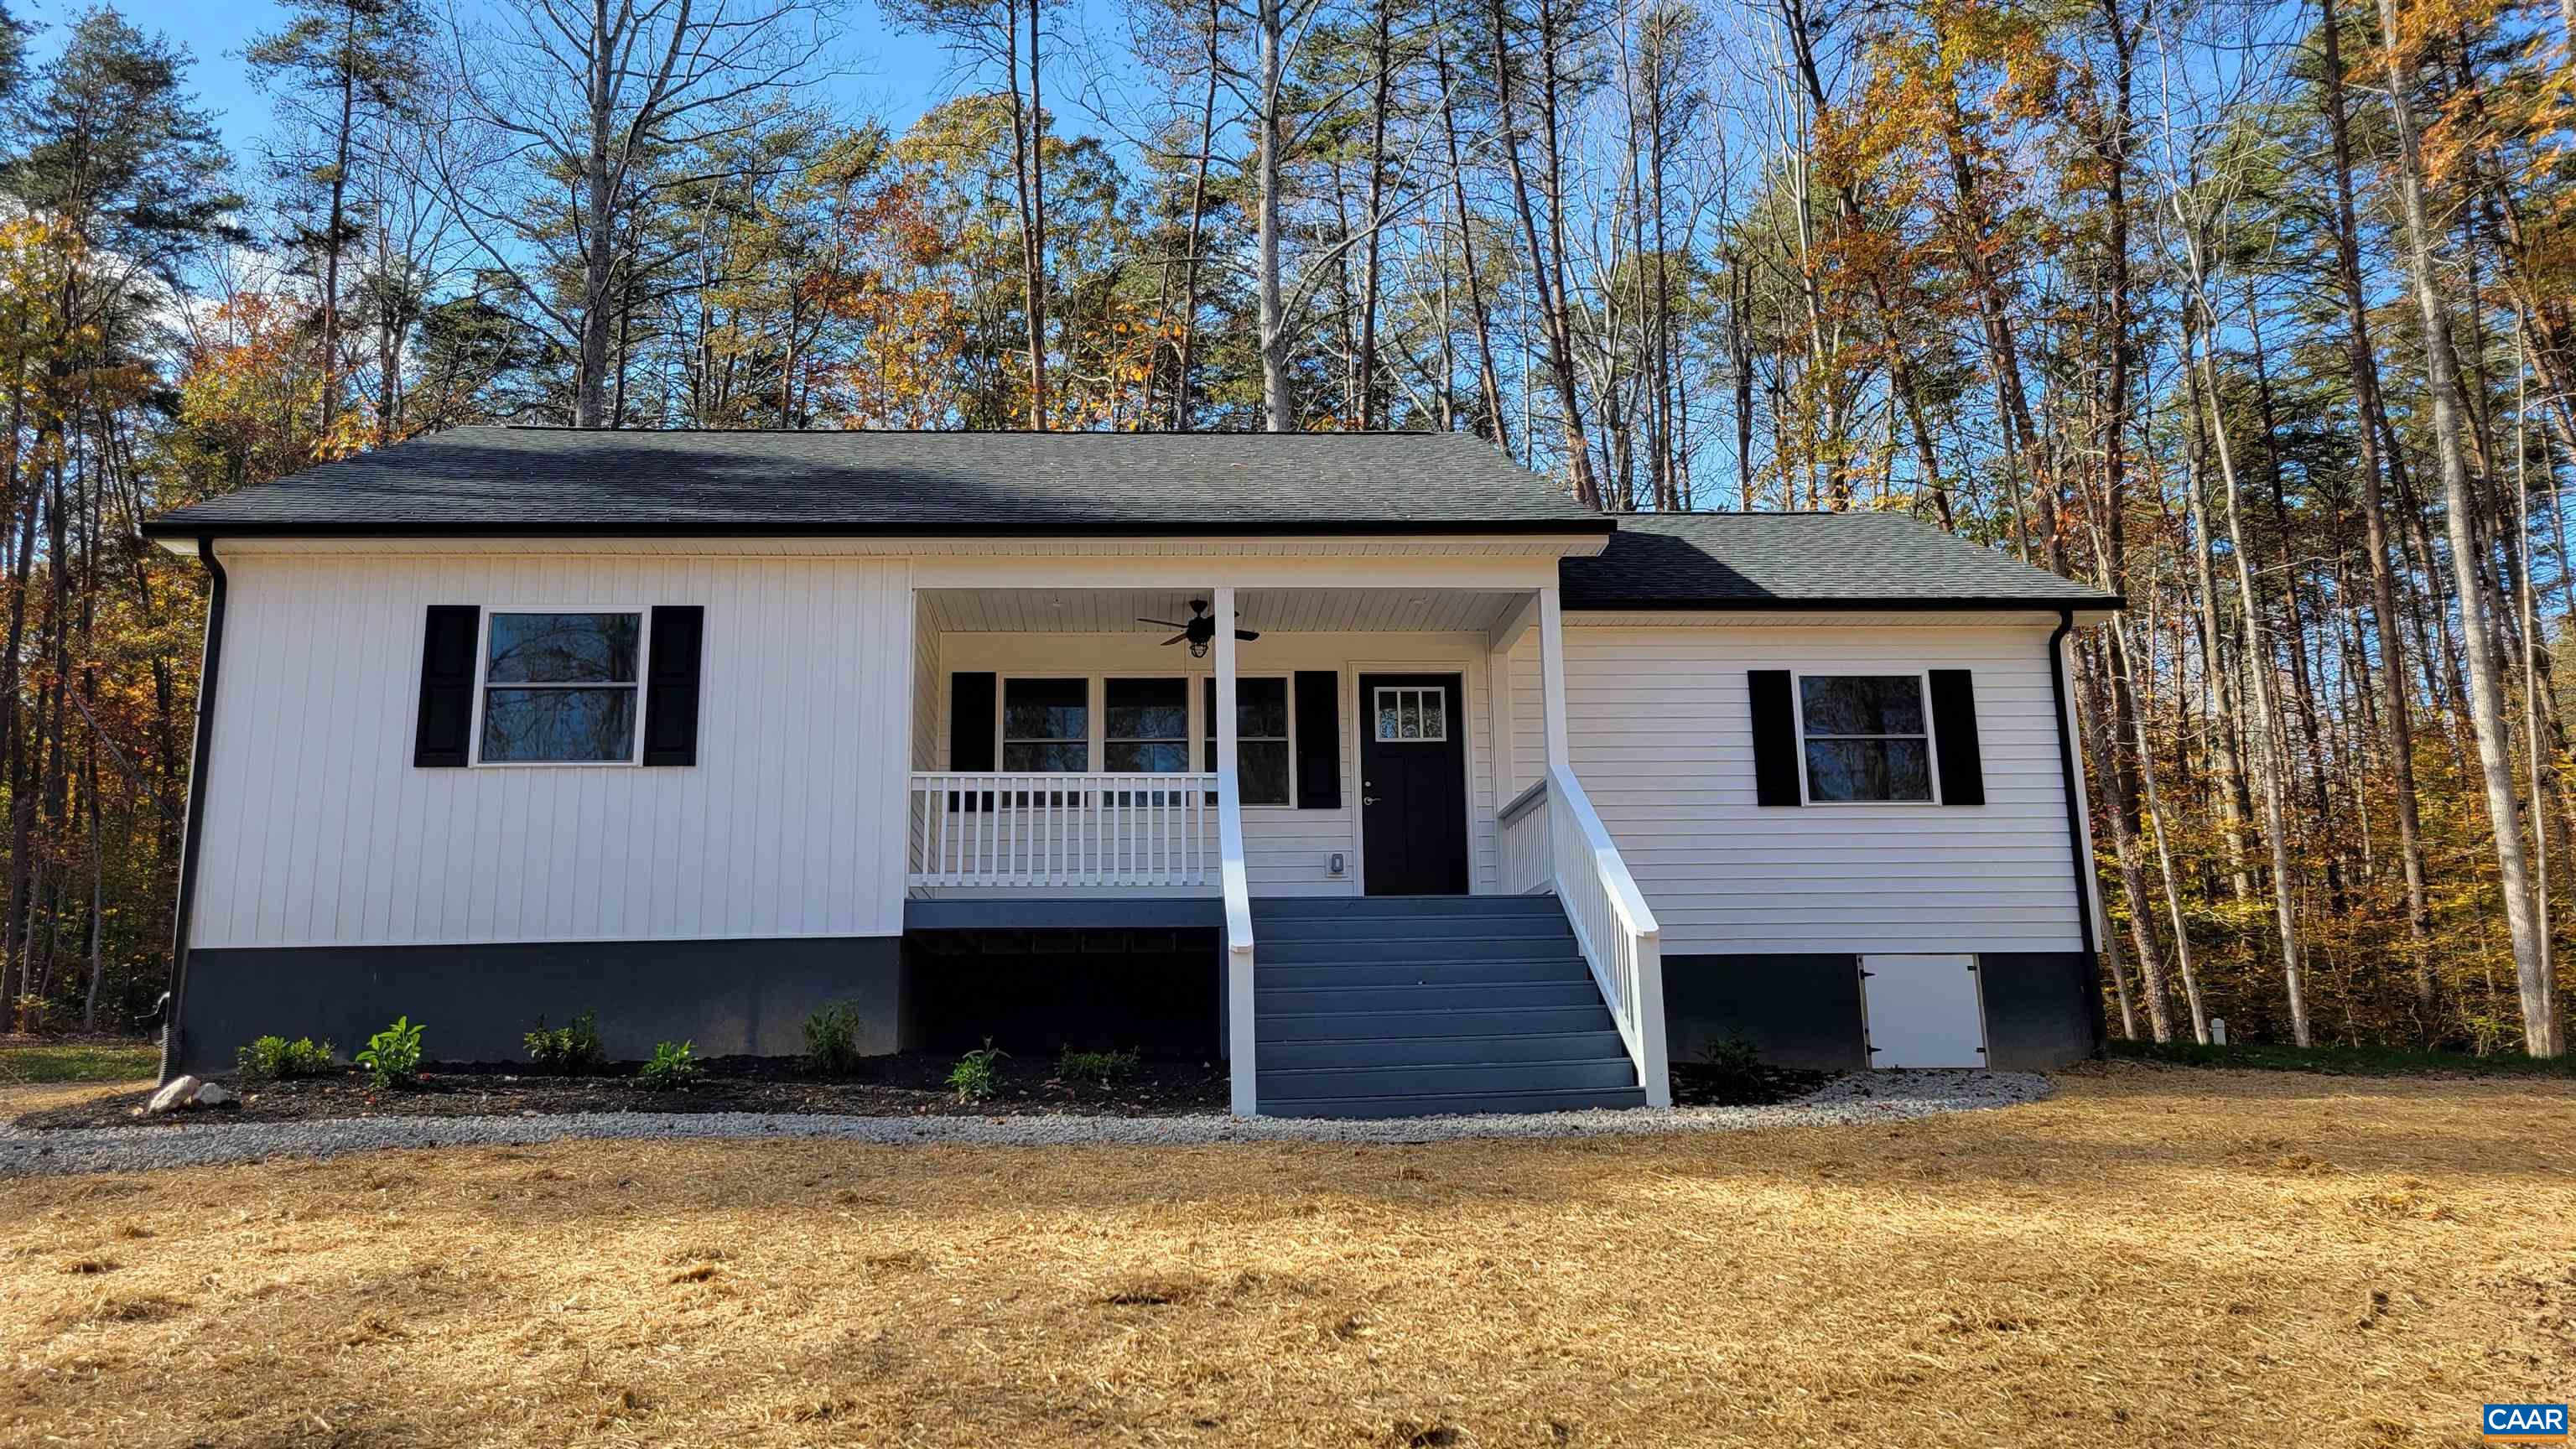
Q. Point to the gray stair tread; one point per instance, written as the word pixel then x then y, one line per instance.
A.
pixel 1430 1022
pixel 1441 1103
pixel 1370 1006
pixel 1308 907
pixel 1327 953
pixel 1557 940
pixel 1297 975
pixel 1360 993
pixel 1439 1051
pixel 1581 1074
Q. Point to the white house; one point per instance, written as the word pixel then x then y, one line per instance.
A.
pixel 1367 762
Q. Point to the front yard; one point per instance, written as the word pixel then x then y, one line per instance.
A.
pixel 2157 1256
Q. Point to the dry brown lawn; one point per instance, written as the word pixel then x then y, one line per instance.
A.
pixel 17 1098
pixel 2156 1257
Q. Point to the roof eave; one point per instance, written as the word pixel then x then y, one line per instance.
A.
pixel 176 529
pixel 1776 603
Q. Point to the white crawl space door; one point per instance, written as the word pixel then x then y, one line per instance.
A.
pixel 1923 1011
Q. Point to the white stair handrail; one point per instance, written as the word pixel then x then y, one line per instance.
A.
pixel 1239 1009
pixel 1617 930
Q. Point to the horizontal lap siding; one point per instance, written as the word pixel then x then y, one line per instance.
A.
pixel 319 830
pixel 1660 732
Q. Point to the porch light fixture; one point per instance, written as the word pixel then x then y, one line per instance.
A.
pixel 1198 648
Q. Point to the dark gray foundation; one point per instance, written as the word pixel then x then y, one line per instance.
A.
pixel 476 1002
pixel 2043 1009
pixel 1798 1011
pixel 1155 991
pixel 1030 991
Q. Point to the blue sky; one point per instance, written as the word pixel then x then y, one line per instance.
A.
pixel 892 75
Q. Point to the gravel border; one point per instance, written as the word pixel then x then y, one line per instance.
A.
pixel 1872 1097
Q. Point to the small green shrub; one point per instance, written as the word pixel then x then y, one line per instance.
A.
pixel 568 1050
pixel 1730 1072
pixel 1731 1054
pixel 832 1040
pixel 274 1058
pixel 392 1056
pixel 974 1078
pixel 674 1064
pixel 1102 1069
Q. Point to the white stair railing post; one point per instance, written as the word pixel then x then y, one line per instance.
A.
pixel 1620 937
pixel 1240 1045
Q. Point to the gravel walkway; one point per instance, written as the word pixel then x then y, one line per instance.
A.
pixel 1879 1097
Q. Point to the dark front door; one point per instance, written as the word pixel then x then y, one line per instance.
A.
pixel 1413 784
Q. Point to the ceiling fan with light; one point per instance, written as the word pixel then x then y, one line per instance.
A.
pixel 1200 631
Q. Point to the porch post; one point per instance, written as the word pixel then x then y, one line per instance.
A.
pixel 1225 720
pixel 1551 674
pixel 1238 898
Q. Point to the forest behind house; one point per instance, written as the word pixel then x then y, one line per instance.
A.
pixel 2261 315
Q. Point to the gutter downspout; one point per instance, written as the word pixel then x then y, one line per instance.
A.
pixel 209 673
pixel 2078 838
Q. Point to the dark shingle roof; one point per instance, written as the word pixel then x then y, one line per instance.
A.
pixel 560 481
pixel 502 480
pixel 1779 560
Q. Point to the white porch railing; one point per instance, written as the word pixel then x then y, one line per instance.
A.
pixel 1042 831
pixel 1553 840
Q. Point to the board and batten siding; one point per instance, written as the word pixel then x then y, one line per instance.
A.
pixel 1659 727
pixel 1287 851
pixel 320 831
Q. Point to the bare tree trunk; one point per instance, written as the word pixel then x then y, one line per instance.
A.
pixel 1547 261
pixel 2133 881
pixel 1181 391
pixel 2396 709
pixel 2486 688
pixel 2164 851
pixel 1037 228
pixel 1272 40
pixel 333 241
pixel 1369 273
pixel 1489 382
pixel 1028 178
pixel 2258 666
pixel 599 241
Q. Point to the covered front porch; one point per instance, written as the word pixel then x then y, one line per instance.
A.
pixel 1237 747
pixel 1063 745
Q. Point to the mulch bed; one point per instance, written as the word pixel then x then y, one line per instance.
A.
pixel 907 1084
pixel 1699 1085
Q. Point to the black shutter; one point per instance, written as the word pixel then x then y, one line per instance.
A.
pixel 1954 729
pixel 1775 737
pixel 970 721
pixel 671 685
pixel 447 687
pixel 970 732
pixel 1318 701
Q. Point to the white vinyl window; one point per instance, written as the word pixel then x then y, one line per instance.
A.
pixel 560 687
pixel 1263 758
pixel 1143 725
pixel 1046 725
pixel 1865 738
pixel 1146 725
pixel 1412 713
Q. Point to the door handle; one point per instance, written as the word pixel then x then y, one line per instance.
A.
pixel 1368 799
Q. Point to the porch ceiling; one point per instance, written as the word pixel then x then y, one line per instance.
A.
pixel 1115 611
